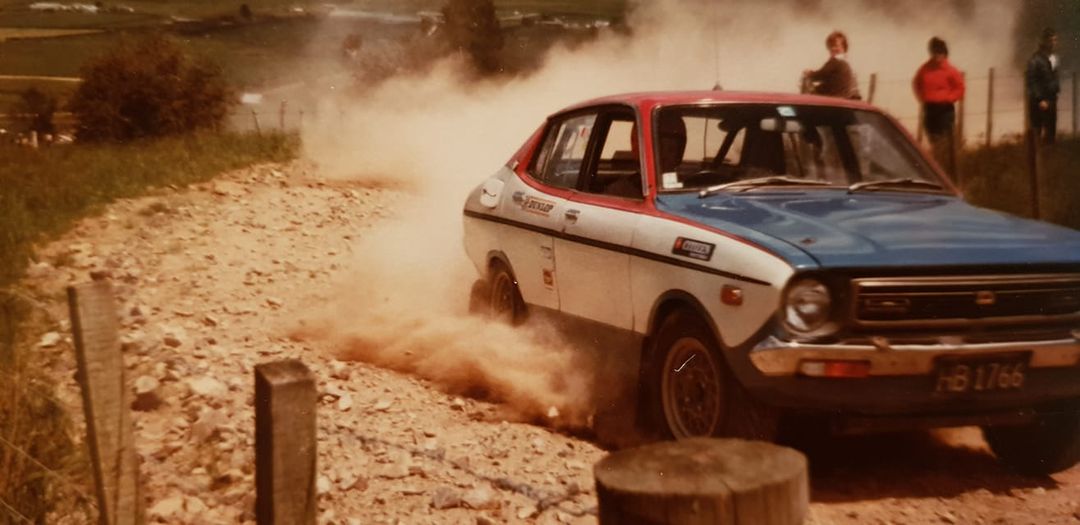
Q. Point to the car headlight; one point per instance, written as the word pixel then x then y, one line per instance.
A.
pixel 808 308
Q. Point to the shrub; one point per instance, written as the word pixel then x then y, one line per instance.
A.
pixel 38 108
pixel 148 88
pixel 473 28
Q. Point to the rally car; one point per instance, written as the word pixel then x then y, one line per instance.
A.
pixel 740 257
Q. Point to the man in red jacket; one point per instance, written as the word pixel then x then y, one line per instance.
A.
pixel 938 86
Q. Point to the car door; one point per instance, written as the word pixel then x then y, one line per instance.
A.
pixel 599 222
pixel 534 204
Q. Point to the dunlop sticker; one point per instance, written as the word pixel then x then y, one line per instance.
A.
pixel 538 206
pixel 699 250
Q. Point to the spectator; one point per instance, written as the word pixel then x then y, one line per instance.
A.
pixel 835 78
pixel 1043 86
pixel 938 86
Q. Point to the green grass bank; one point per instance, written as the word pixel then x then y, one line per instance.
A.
pixel 997 177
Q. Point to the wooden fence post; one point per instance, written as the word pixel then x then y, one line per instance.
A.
pixel 106 403
pixel 1032 137
pixel 281 115
pixel 961 115
pixel 703 481
pixel 1075 100
pixel 255 119
pixel 873 88
pixel 990 109
pixel 285 447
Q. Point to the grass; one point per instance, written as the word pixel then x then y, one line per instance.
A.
pixel 997 177
pixel 42 194
pixel 45 191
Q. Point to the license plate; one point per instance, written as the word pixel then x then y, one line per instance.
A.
pixel 981 373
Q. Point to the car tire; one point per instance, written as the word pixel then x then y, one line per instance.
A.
pixel 504 299
pixel 479 298
pixel 1050 444
pixel 689 390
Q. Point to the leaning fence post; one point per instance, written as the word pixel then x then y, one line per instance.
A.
pixel 703 481
pixel 990 109
pixel 255 119
pixel 285 450
pixel 106 402
pixel 873 88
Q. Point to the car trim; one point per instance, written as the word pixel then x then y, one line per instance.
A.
pixel 614 247
pixel 774 357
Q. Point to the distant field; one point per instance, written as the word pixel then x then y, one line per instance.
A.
pixel 29 32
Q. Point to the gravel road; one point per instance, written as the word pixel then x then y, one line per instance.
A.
pixel 215 278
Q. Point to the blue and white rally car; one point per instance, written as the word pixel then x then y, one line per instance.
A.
pixel 738 257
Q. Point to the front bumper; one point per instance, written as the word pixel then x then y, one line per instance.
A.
pixel 902 378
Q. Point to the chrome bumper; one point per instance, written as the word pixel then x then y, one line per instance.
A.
pixel 774 357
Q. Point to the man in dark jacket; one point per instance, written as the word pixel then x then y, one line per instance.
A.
pixel 835 78
pixel 1043 86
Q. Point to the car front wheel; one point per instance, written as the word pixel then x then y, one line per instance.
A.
pixel 1050 444
pixel 691 393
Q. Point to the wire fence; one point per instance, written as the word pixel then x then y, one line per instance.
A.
pixel 45 471
pixel 993 108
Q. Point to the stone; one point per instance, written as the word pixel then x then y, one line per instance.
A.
pixel 527 512
pixel 50 340
pixel 208 387
pixel 172 341
pixel 383 405
pixel 947 516
pixel 553 413
pixel 194 505
pixel 480 498
pixel 167 508
pixel 458 404
pixel 344 403
pixel 484 520
pixel 445 498
pixel 323 485
pixel 208 425
pixel 274 302
pixel 210 321
pixel 146 384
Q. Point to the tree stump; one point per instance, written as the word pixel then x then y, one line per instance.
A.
pixel 703 481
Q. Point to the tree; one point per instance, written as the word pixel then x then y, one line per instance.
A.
pixel 473 28
pixel 148 88
pixel 39 108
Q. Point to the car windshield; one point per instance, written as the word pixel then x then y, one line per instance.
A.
pixel 743 147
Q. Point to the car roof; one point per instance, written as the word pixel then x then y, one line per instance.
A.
pixel 650 99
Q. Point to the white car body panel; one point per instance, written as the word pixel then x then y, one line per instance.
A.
pixel 594 281
pixel 650 279
pixel 531 253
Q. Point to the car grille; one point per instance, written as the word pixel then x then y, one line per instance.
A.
pixel 987 300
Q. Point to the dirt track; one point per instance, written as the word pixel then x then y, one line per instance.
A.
pixel 211 281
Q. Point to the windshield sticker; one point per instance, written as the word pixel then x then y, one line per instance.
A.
pixel 538 206
pixel 670 180
pixel 694 249
pixel 786 111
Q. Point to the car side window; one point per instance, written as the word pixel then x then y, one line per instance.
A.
pixel 560 158
pixel 617 170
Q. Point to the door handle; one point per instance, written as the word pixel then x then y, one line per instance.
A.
pixel 571 215
pixel 518 197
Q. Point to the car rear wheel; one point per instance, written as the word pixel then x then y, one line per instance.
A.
pixel 1050 444
pixel 691 393
pixel 504 302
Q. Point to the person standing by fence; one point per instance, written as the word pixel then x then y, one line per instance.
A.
pixel 938 87
pixel 835 78
pixel 1043 86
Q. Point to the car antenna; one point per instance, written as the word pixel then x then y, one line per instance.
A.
pixel 716 46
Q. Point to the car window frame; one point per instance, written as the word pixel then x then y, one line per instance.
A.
pixel 605 117
pixel 907 145
pixel 554 124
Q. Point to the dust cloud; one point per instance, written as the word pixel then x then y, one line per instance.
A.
pixel 404 305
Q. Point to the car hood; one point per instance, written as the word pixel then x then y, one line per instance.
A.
pixel 878 229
